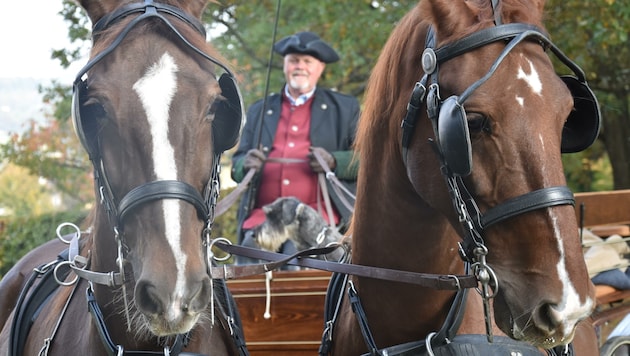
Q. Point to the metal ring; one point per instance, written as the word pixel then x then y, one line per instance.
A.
pixel 427 343
pixel 59 281
pixel 459 286
pixel 493 277
pixel 77 231
pixel 212 242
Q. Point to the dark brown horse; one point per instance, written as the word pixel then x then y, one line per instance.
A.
pixel 154 117
pixel 473 174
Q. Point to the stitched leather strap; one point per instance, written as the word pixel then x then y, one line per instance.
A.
pixel 440 282
pixel 538 199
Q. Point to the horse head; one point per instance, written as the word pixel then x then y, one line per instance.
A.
pixel 154 117
pixel 502 119
pixel 485 119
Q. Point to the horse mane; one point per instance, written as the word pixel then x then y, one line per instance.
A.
pixel 398 66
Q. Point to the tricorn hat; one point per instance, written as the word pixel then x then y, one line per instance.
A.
pixel 306 43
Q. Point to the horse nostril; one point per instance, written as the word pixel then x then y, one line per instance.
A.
pixel 547 317
pixel 148 299
pixel 201 298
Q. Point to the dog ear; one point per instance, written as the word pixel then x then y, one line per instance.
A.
pixel 299 209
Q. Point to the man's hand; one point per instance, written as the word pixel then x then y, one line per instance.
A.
pixel 254 159
pixel 327 157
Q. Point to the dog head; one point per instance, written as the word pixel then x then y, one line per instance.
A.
pixel 288 218
pixel 280 224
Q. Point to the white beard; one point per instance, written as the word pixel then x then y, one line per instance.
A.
pixel 299 83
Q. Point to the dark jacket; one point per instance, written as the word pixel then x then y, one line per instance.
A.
pixel 334 118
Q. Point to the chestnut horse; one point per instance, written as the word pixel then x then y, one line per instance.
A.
pixel 154 117
pixel 471 182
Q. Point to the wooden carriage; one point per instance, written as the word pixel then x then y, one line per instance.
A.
pixel 296 309
pixel 607 213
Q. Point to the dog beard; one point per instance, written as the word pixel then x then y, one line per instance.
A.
pixel 271 239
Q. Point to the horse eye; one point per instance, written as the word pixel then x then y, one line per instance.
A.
pixel 478 123
pixel 94 109
pixel 214 107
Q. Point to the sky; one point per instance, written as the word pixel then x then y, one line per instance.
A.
pixel 29 31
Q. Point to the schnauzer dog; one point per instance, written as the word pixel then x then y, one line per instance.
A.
pixel 290 219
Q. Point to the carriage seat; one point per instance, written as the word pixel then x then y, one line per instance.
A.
pixel 607 256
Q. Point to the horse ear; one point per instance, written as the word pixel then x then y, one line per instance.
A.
pixel 194 8
pixel 449 17
pixel 97 8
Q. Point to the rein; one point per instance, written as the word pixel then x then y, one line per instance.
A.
pixel 342 192
pixel 300 258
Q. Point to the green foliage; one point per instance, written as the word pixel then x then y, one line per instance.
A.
pixel 20 235
pixel 595 35
pixel 22 194
pixel 243 32
pixel 53 152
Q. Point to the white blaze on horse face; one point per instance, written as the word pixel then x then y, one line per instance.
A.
pixel 156 90
pixel 531 79
pixel 570 310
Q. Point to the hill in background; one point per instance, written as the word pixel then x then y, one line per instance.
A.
pixel 20 102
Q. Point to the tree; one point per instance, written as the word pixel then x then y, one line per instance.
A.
pixel 243 31
pixel 51 151
pixel 593 33
pixel 23 194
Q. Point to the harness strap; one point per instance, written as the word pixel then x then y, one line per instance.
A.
pixel 110 279
pixel 337 186
pixel 115 350
pixel 135 8
pixel 29 306
pixel 332 305
pixel 464 345
pixel 538 199
pixel 162 189
pixel 233 320
pixel 224 204
pixel 440 282
pixel 357 308
pixel 329 210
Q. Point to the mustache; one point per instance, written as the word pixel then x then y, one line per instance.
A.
pixel 299 72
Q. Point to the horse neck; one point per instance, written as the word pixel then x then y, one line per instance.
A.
pixel 393 225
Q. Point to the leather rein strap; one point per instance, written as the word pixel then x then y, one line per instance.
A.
pixel 224 204
pixel 441 282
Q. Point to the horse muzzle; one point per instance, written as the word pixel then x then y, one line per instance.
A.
pixel 167 312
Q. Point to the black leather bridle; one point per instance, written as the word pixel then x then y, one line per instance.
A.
pixel 204 202
pixel 156 190
pixel 472 249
